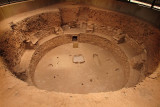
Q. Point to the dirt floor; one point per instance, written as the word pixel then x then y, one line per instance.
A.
pixel 56 71
pixel 94 58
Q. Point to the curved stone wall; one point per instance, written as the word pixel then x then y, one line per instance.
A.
pixel 82 38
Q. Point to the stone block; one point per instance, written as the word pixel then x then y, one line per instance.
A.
pixel 78 59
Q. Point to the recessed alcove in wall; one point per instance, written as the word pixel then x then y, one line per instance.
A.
pixel 74 38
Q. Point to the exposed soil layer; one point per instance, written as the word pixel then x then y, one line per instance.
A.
pixel 28 45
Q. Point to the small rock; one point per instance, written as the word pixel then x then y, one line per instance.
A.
pixel 78 59
pixel 138 66
pixel 95 55
pixel 119 39
pixel 116 69
pixel 13 26
pixel 91 80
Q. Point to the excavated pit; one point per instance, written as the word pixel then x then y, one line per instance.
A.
pixel 81 50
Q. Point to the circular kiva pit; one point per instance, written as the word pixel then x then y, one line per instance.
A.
pixel 54 52
pixel 88 64
pixel 88 68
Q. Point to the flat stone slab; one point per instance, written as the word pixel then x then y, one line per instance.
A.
pixel 78 59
